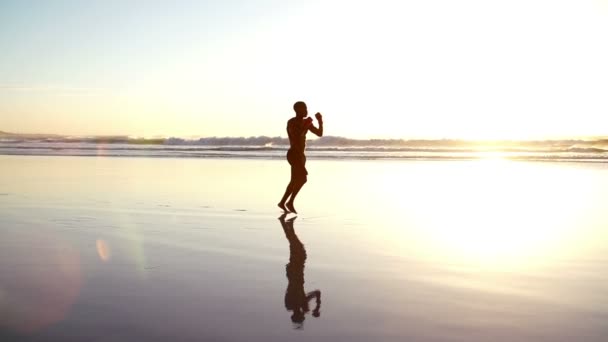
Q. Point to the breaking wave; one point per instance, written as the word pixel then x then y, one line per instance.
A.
pixel 328 147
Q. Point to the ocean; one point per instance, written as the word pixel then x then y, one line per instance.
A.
pixel 579 150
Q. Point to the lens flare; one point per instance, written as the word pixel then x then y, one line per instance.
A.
pixel 137 248
pixel 103 250
pixel 41 287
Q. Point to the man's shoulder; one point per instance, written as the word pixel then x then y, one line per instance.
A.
pixel 292 121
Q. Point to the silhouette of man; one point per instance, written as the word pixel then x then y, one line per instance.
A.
pixel 297 127
pixel 296 299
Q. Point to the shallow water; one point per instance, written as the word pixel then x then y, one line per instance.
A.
pixel 121 249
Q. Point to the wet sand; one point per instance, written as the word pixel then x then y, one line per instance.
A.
pixel 127 249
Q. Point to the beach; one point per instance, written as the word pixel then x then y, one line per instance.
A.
pixel 192 249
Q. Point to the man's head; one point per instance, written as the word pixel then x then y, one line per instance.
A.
pixel 300 108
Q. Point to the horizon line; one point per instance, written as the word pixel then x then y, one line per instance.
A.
pixel 198 137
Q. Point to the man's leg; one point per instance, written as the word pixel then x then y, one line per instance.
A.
pixel 296 189
pixel 288 192
pixel 289 188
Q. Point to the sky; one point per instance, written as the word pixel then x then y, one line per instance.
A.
pixel 375 69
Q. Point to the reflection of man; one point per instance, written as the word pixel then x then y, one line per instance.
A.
pixel 296 299
pixel 297 127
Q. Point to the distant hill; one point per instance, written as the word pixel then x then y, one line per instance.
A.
pixel 6 134
pixel 29 135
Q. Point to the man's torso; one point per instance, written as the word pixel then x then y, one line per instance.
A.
pixel 297 134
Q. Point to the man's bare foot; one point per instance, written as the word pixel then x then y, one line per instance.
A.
pixel 282 206
pixel 291 208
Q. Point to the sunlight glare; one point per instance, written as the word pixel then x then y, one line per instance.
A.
pixel 500 214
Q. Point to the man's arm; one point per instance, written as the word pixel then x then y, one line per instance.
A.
pixel 317 131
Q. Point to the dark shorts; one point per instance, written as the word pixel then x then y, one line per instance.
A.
pixel 297 160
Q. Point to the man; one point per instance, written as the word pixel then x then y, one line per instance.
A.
pixel 297 127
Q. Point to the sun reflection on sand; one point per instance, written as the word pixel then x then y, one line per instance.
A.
pixel 496 213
